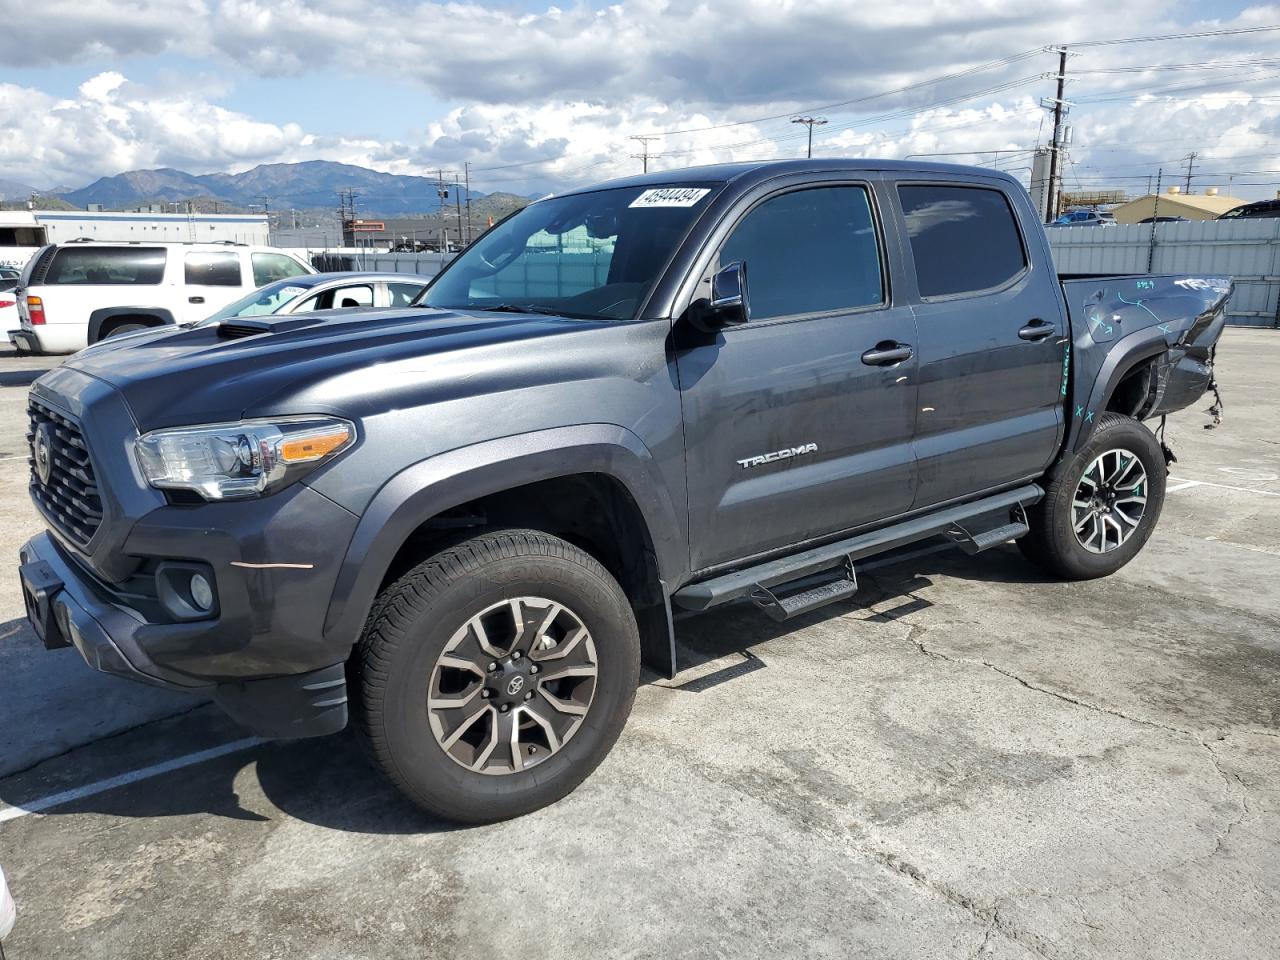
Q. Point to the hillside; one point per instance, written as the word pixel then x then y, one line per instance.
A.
pixel 314 184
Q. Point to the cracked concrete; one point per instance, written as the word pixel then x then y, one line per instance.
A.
pixel 969 761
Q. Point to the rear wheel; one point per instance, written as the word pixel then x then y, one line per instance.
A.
pixel 496 675
pixel 123 328
pixel 1101 505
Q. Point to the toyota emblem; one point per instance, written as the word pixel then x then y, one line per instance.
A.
pixel 42 453
pixel 515 686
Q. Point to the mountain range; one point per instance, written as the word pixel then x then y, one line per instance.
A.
pixel 13 190
pixel 308 185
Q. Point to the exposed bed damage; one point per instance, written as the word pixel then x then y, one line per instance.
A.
pixel 1142 346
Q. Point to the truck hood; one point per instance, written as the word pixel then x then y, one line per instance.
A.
pixel 225 372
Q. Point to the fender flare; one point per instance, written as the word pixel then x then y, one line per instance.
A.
pixel 1089 398
pixel 162 316
pixel 431 486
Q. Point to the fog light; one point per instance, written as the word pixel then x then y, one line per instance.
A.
pixel 201 592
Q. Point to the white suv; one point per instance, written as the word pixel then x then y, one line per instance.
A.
pixel 77 293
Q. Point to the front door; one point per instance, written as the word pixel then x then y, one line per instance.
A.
pixel 798 423
pixel 992 340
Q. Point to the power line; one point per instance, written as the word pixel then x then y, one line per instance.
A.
pixel 1194 35
pixel 934 104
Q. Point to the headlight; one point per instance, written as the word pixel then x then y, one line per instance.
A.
pixel 224 461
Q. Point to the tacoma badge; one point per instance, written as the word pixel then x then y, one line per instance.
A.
pixel 776 455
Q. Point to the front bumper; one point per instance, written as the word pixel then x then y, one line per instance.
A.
pixel 67 607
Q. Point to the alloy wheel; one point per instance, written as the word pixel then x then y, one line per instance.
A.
pixel 1109 501
pixel 512 686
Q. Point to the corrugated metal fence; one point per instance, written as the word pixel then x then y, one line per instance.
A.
pixel 1248 250
pixel 426 264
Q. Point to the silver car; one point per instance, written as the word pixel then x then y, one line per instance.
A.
pixel 326 291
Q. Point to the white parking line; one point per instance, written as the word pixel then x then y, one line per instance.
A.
pixel 1220 486
pixel 1182 485
pixel 133 776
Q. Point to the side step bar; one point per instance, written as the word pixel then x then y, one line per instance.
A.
pixel 828 570
pixel 809 593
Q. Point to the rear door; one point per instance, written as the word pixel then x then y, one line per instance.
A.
pixel 795 427
pixel 992 337
pixel 211 280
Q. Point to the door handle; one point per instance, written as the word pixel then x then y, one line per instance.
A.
pixel 886 353
pixel 195 299
pixel 1037 330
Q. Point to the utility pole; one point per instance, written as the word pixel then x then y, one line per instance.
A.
pixel 810 122
pixel 1055 162
pixel 1191 159
pixel 457 200
pixel 442 194
pixel 1155 219
pixel 466 171
pixel 644 146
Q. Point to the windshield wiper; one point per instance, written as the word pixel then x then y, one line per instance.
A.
pixel 520 308
pixel 516 308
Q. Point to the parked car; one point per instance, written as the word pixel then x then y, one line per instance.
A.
pixel 77 293
pixel 1262 208
pixel 326 291
pixel 1164 220
pixel 1084 218
pixel 8 303
pixel 462 525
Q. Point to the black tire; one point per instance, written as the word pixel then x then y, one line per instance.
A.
pixel 1053 544
pixel 124 328
pixel 409 628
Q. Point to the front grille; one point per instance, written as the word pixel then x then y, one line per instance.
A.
pixel 70 500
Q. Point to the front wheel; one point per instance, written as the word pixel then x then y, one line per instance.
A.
pixel 496 675
pixel 1101 505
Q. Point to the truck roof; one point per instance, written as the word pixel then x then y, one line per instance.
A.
pixel 749 172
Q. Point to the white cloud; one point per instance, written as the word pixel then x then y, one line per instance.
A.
pixel 550 98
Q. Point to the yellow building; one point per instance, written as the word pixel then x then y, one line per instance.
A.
pixel 1193 206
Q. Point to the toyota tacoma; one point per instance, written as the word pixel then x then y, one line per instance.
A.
pixel 463 525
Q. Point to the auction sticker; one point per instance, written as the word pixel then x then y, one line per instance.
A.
pixel 671 197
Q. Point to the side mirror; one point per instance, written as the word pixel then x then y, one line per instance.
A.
pixel 728 305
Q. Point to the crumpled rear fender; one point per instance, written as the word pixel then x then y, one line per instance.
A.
pixel 1119 323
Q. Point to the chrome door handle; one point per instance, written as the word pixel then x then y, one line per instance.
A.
pixel 886 353
pixel 1037 330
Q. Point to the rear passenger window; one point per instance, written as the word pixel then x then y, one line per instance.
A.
pixel 107 265
pixel 963 239
pixel 270 267
pixel 808 251
pixel 213 269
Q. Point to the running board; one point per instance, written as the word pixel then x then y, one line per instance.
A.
pixel 807 594
pixel 835 560
pixel 972 543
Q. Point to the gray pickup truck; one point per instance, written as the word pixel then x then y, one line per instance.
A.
pixel 463 524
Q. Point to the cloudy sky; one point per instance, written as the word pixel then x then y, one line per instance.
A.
pixel 537 96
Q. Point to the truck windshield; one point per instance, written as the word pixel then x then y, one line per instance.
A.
pixel 591 255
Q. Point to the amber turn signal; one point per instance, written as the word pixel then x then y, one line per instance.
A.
pixel 304 449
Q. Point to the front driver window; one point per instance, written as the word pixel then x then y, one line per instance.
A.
pixel 809 251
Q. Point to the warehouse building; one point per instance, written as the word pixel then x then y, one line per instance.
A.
pixel 1190 206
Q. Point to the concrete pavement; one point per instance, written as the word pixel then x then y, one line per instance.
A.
pixel 970 761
